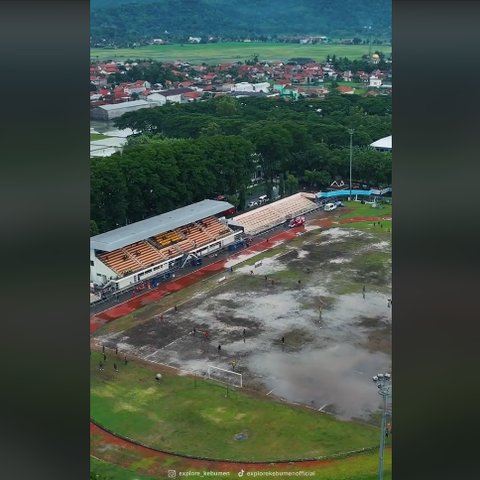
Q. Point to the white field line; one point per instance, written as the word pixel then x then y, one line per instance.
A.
pixel 151 354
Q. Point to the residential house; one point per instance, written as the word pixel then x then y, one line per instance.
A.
pixel 344 90
pixel 374 81
pixel 98 81
pixel 191 96
pixel 173 95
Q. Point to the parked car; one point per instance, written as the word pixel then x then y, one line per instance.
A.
pixel 251 204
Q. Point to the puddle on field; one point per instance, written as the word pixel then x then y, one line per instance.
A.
pixel 334 343
pixel 266 266
pixel 337 378
pixel 340 260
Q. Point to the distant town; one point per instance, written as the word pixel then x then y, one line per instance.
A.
pixel 143 85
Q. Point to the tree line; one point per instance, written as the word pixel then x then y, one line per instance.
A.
pixel 183 153
pixel 121 22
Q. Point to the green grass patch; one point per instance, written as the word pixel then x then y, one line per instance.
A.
pixel 175 416
pixel 266 254
pixel 357 209
pixel 214 53
pixel 360 467
pixel 368 227
pixel 97 136
pixel 114 472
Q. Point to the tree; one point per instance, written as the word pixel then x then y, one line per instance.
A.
pixel 317 179
pixel 94 228
pixel 212 128
pixel 242 198
pixel 273 143
pixel 226 106
pixel 281 187
pixel 291 184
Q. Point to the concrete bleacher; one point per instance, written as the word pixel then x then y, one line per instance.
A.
pixel 144 253
pixel 120 261
pixel 168 238
pixel 215 228
pixel 275 213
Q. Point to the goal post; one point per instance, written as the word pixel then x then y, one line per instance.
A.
pixel 224 376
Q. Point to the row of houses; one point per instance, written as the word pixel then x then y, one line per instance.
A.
pixel 287 79
pixel 151 98
pixel 306 73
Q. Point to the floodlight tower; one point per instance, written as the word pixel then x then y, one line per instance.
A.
pixel 383 383
pixel 351 131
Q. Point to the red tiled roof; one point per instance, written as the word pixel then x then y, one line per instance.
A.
pixel 192 94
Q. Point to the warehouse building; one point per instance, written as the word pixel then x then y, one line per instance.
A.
pixel 108 112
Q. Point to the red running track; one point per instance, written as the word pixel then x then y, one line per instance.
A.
pixel 162 290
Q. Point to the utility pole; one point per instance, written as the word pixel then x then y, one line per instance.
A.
pixel 351 131
pixel 383 382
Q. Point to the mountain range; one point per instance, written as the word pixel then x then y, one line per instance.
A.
pixel 126 21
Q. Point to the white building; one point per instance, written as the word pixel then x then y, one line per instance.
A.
pixel 173 96
pixel 107 112
pixel 251 87
pixel 383 145
pixel 375 81
pixel 157 98
pixel 106 146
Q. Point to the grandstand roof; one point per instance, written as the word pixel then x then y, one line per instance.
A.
pixel 123 236
pixel 385 142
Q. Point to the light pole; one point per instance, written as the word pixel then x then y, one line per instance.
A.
pixel 383 382
pixel 351 131
pixel 369 28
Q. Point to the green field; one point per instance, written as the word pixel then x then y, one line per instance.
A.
pixel 361 467
pixel 214 53
pixel 112 471
pixel 97 136
pixel 178 416
pixel 357 209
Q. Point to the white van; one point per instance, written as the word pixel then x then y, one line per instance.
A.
pixel 329 207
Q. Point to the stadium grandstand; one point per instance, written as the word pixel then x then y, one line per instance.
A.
pixel 275 213
pixel 133 253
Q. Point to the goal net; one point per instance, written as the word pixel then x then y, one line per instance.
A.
pixel 224 376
